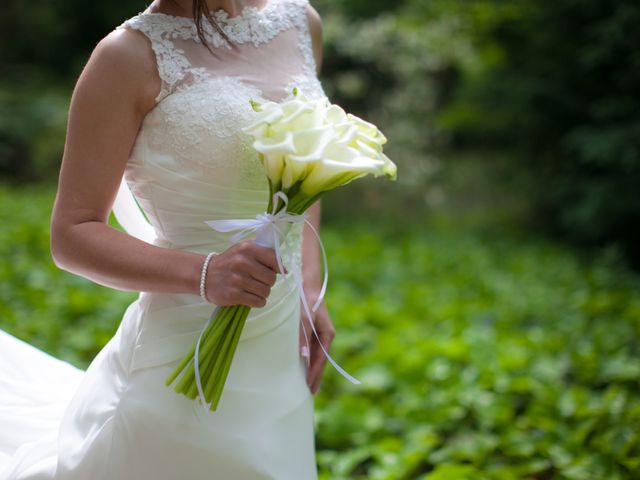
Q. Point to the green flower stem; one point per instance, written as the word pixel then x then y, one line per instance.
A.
pixel 183 364
pixel 210 336
pixel 222 374
pixel 219 354
pixel 218 365
pixel 213 356
pixel 271 192
pixel 217 348
pixel 204 367
pixel 189 376
pixel 298 204
pixel 208 349
pixel 222 368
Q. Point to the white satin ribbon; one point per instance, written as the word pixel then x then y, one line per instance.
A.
pixel 270 230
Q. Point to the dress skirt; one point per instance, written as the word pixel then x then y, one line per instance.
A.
pixel 118 420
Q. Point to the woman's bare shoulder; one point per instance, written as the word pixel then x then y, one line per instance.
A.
pixel 123 60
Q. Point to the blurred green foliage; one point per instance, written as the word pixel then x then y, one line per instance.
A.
pixel 550 84
pixel 558 89
pixel 64 314
pixel 43 47
pixel 484 353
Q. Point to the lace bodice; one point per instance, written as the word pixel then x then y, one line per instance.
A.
pixel 191 162
pixel 182 59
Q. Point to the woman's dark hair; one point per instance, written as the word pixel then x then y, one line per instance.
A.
pixel 200 11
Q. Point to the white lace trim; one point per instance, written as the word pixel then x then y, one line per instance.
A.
pixel 253 25
pixel 202 128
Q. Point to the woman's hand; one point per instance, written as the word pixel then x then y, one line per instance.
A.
pixel 326 332
pixel 242 275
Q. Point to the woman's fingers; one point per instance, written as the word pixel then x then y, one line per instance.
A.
pixel 267 256
pixel 263 274
pixel 253 286
pixel 318 360
pixel 249 299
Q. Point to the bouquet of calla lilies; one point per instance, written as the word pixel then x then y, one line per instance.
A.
pixel 307 147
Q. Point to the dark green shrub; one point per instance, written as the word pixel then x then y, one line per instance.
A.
pixel 563 97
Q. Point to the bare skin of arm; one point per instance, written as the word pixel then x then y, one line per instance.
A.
pixel 311 258
pixel 113 94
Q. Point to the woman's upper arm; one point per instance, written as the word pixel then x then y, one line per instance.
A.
pixel 115 90
pixel 315 29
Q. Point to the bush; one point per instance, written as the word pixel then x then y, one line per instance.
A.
pixel 32 129
pixel 562 95
pixel 484 354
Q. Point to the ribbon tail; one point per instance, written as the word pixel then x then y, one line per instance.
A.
pixel 278 234
pixel 342 371
pixel 196 361
pixel 306 341
pixel 325 265
pixel 285 201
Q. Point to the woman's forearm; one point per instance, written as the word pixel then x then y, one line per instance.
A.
pixel 107 256
pixel 311 255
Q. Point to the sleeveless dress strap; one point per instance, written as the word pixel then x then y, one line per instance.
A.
pixel 171 62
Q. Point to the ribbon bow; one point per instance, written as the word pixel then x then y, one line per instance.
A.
pixel 270 230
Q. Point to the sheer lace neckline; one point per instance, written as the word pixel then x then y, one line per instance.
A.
pixel 221 16
pixel 254 24
pixel 182 62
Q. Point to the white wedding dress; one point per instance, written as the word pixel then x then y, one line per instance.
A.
pixel 190 163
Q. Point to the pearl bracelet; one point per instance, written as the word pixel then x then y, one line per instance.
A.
pixel 203 276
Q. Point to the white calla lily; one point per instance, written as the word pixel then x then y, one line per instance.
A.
pixel 311 146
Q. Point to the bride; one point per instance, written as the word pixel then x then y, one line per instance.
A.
pixel 157 112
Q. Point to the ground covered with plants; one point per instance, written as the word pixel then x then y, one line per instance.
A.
pixel 484 352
